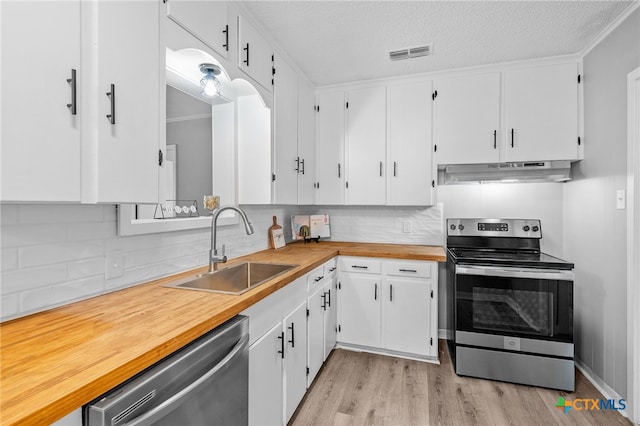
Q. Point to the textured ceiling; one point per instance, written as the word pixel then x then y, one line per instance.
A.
pixel 342 41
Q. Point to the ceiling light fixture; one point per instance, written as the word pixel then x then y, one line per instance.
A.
pixel 209 85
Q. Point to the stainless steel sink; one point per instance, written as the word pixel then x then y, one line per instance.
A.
pixel 235 279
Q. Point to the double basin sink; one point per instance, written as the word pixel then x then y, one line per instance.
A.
pixel 236 279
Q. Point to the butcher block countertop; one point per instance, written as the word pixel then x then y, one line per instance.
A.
pixel 55 361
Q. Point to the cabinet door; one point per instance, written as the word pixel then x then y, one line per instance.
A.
pixel 315 333
pixel 129 59
pixel 542 113
pixel 330 148
pixel 409 166
pixel 306 142
pixel 330 315
pixel 254 151
pixel 207 21
pixel 287 159
pixel 265 379
pixel 359 321
pixel 466 119
pixel 295 359
pixel 40 136
pixel 406 315
pixel 366 146
pixel 254 54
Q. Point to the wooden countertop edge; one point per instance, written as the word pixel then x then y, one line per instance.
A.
pixel 66 403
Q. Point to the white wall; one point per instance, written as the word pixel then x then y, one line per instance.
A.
pixel 595 230
pixel 55 254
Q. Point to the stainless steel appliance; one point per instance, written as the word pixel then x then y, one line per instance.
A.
pixel 206 382
pixel 512 305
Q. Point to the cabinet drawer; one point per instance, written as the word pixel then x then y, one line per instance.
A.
pixel 359 264
pixel 330 267
pixel 315 279
pixel 407 269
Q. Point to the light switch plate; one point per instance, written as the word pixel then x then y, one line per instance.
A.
pixel 406 226
pixel 621 199
pixel 114 264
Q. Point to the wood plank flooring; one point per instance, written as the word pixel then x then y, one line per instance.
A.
pixel 356 388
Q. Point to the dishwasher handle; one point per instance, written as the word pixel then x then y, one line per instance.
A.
pixel 152 416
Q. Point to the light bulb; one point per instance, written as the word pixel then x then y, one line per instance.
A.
pixel 209 85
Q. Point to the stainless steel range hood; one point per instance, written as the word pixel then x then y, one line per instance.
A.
pixel 547 171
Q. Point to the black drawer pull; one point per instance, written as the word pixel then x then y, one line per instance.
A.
pixel 359 267
pixel 293 336
pixel 407 270
pixel 318 278
pixel 281 337
pixel 332 269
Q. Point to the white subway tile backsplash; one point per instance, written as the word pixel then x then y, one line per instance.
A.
pixel 29 235
pixel 60 294
pixel 91 231
pixel 86 268
pixel 30 278
pixel 9 305
pixel 8 214
pixel 59 252
pixel 60 213
pixel 9 260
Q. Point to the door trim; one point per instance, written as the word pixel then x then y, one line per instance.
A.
pixel 633 241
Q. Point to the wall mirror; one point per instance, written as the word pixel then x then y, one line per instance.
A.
pixel 201 144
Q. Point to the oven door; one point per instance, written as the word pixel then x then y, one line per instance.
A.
pixel 509 301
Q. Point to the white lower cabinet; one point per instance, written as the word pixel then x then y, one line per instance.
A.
pixel 330 309
pixel 315 324
pixel 295 359
pixel 389 305
pixel 265 379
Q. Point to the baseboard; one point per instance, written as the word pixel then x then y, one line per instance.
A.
pixel 377 351
pixel 600 385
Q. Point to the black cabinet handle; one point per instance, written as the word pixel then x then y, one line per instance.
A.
pixel 293 336
pixel 246 49
pixel 339 174
pixel 324 301
pixel 381 169
pixel 329 296
pixel 332 269
pixel 395 169
pixel 359 267
pixel 72 81
pixel 495 139
pixel 302 163
pixel 511 138
pixel 407 270
pixel 297 169
pixel 112 97
pixel 390 292
pixel 226 37
pixel 281 351
pixel 375 292
pixel 318 278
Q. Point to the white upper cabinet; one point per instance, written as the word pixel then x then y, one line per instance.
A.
pixel 306 141
pixel 409 164
pixel 330 148
pixel 467 119
pixel 287 160
pixel 128 66
pixel 542 113
pixel 41 152
pixel 206 20
pixel 255 56
pixel 366 146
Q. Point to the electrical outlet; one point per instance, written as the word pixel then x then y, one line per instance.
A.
pixel 114 264
pixel 406 226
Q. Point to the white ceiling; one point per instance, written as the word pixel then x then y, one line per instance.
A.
pixel 341 41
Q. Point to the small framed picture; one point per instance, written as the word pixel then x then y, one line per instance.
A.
pixel 277 238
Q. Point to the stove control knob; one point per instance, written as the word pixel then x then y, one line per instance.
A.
pixel 461 227
pixel 453 227
pixel 535 228
pixel 525 228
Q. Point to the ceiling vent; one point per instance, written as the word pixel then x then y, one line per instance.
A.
pixel 410 52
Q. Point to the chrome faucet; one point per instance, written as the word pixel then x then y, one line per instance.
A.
pixel 214 259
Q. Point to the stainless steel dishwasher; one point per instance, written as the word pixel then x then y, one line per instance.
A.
pixel 204 383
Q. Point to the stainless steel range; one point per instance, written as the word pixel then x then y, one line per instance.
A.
pixel 512 305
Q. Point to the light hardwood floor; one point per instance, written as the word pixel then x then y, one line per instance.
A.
pixel 356 388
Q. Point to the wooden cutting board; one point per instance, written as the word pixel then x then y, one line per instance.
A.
pixel 272 231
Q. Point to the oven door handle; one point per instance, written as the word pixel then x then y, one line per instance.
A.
pixel 536 274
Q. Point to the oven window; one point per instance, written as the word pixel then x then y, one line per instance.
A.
pixel 520 307
pixel 509 310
